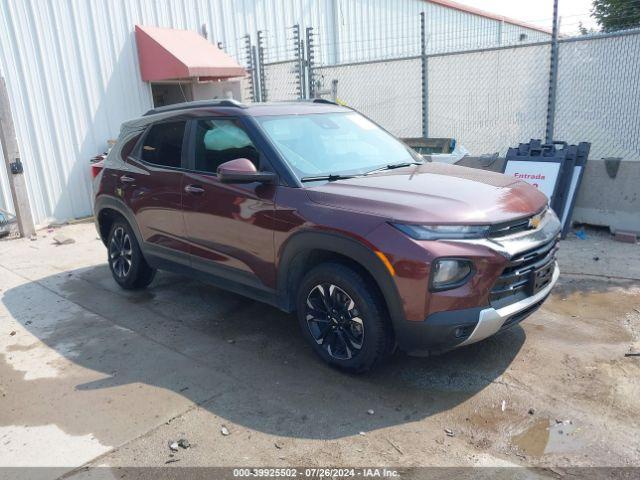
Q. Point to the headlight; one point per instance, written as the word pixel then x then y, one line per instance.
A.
pixel 442 232
pixel 448 273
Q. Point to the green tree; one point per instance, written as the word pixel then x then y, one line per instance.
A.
pixel 614 15
pixel 584 30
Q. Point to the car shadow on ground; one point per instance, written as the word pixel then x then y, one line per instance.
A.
pixel 241 360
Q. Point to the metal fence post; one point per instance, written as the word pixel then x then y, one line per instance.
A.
pixel 553 77
pixel 425 76
pixel 248 51
pixel 304 71
pixel 298 55
pixel 261 75
pixel 11 152
pixel 254 74
pixel 311 89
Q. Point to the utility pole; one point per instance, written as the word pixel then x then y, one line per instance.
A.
pixel 14 165
pixel 553 76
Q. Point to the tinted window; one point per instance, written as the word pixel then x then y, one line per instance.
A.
pixel 163 144
pixel 128 147
pixel 218 141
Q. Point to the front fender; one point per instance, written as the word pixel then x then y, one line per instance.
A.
pixel 292 254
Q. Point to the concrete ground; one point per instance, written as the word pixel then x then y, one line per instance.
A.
pixel 91 375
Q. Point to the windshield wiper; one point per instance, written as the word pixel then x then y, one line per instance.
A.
pixel 393 166
pixel 332 177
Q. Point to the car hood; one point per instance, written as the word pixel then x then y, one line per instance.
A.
pixel 434 193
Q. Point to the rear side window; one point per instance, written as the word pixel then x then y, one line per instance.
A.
pixel 221 140
pixel 127 148
pixel 163 144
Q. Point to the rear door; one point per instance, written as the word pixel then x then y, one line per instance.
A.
pixel 153 190
pixel 230 226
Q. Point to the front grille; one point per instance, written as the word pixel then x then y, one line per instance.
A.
pixel 524 275
pixel 509 228
pixel 517 226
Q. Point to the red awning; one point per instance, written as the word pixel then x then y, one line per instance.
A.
pixel 168 54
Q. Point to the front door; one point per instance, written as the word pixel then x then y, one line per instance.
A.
pixel 230 226
pixel 153 190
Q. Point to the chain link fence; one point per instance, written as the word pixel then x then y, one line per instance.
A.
pixel 488 99
pixel 598 96
pixel 389 91
pixel 281 81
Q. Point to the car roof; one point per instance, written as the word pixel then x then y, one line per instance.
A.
pixel 202 108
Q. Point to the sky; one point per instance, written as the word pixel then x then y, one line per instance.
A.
pixel 540 12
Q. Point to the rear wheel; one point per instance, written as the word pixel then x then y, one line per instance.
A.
pixel 128 267
pixel 341 315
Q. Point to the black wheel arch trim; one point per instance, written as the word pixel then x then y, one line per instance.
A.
pixel 105 202
pixel 303 243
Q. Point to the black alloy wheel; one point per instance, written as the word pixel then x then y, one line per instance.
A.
pixel 126 261
pixel 343 316
pixel 334 321
pixel 120 252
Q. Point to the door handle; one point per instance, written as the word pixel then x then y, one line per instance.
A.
pixel 194 189
pixel 125 179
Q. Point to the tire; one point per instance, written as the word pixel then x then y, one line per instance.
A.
pixel 351 315
pixel 129 268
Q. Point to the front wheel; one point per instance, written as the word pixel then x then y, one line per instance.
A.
pixel 128 267
pixel 342 316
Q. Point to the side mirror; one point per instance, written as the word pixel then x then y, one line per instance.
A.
pixel 242 170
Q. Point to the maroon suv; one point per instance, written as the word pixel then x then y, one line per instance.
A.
pixel 314 209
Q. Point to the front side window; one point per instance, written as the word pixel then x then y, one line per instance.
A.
pixel 163 144
pixel 221 140
pixel 334 143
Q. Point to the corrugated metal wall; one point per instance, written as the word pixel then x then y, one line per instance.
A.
pixel 391 28
pixel 72 70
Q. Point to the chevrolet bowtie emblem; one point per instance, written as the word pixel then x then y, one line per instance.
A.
pixel 535 221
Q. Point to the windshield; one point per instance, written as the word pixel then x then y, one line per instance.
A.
pixel 341 143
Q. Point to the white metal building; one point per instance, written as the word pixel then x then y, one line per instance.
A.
pixel 73 72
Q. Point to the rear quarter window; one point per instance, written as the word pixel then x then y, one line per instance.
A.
pixel 163 144
pixel 127 148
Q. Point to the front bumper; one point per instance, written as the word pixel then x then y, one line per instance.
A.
pixel 491 321
pixel 446 330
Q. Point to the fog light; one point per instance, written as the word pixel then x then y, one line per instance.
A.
pixel 448 273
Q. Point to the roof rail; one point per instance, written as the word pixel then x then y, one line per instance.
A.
pixel 324 100
pixel 196 104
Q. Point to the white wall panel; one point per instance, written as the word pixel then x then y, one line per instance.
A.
pixel 71 69
pixel 5 194
pixel 391 28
